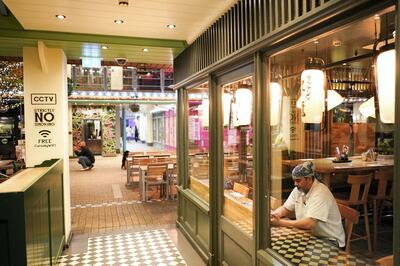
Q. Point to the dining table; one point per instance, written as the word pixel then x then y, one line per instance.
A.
pixel 329 167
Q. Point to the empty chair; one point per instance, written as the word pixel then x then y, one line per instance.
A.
pixel 156 176
pixel 360 185
pixel 241 189
pixel 384 177
pixel 162 155
pixel 350 217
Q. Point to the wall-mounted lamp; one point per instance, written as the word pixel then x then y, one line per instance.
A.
pixel 368 108
pixel 334 99
pixel 386 69
pixel 312 96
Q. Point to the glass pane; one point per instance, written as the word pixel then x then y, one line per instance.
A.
pixel 237 102
pixel 332 142
pixel 198 106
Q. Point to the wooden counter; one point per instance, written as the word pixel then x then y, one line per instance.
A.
pixel 32 216
pixel 236 207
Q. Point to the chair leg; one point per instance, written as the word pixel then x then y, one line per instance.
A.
pixel 145 191
pixel 375 214
pixel 368 234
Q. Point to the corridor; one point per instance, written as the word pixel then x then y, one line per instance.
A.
pixel 111 226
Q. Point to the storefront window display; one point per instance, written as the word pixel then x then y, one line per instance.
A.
pixel 198 125
pixel 237 102
pixel 331 128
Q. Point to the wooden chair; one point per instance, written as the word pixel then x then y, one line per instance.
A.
pixel 241 189
pixel 385 261
pixel 360 185
pixel 173 181
pixel 156 176
pixel 162 155
pixel 384 177
pixel 351 217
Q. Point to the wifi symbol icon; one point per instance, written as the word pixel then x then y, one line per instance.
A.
pixel 44 133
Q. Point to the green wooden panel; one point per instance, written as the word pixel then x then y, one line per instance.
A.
pixel 32 221
pixel 190 215
pixel 233 254
pixel 203 228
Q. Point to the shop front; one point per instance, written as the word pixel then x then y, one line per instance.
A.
pixel 256 114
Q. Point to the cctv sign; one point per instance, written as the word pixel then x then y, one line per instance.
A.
pixel 43 99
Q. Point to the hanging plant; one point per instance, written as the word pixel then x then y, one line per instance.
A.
pixel 134 108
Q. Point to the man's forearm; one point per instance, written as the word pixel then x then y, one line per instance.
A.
pixel 305 223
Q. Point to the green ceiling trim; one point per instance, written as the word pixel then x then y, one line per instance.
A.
pixel 10 28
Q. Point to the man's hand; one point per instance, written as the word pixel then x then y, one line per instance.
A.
pixel 275 220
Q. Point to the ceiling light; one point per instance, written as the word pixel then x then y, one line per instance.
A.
pixel 171 26
pixel 145 50
pixel 104 47
pixel 123 3
pixel 61 17
pixel 118 21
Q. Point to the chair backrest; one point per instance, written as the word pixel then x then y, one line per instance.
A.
pixel 142 161
pixel 385 261
pixel 241 189
pixel 162 155
pixel 350 217
pixel 134 153
pixel 357 194
pixel 156 170
pixel 384 176
pixel 136 158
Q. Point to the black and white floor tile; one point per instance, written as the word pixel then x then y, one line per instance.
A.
pixel 152 247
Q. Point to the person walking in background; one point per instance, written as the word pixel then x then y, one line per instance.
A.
pixel 136 134
pixel 86 158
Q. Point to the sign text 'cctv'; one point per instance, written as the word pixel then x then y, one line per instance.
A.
pixel 43 99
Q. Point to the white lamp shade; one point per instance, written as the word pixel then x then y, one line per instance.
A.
pixel 226 99
pixel 312 98
pixel 243 107
pixel 275 101
pixel 368 108
pixel 204 108
pixel 334 99
pixel 386 69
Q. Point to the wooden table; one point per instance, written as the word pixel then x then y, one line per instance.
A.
pixel 130 168
pixel 327 168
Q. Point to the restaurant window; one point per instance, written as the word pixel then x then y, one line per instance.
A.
pixel 237 106
pixel 198 128
pixel 331 125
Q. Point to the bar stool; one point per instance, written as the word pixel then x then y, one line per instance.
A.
pixel 359 197
pixel 384 177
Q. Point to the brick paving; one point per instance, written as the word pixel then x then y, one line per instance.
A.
pixel 97 208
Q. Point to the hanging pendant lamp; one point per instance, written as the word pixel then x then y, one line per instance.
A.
pixel 275 101
pixel 243 106
pixel 312 98
pixel 386 70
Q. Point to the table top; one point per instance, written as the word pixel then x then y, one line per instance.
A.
pixel 326 165
pixel 23 180
pixel 300 247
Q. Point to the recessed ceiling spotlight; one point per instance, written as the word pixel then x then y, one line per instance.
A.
pixel 123 3
pixel 145 50
pixel 171 26
pixel 61 17
pixel 104 47
pixel 315 41
pixel 336 43
pixel 376 17
pixel 118 21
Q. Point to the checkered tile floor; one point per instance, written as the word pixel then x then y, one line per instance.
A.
pixel 138 248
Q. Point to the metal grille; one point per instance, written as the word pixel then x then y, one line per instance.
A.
pixel 246 22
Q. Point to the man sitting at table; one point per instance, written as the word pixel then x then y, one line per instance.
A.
pixel 314 206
